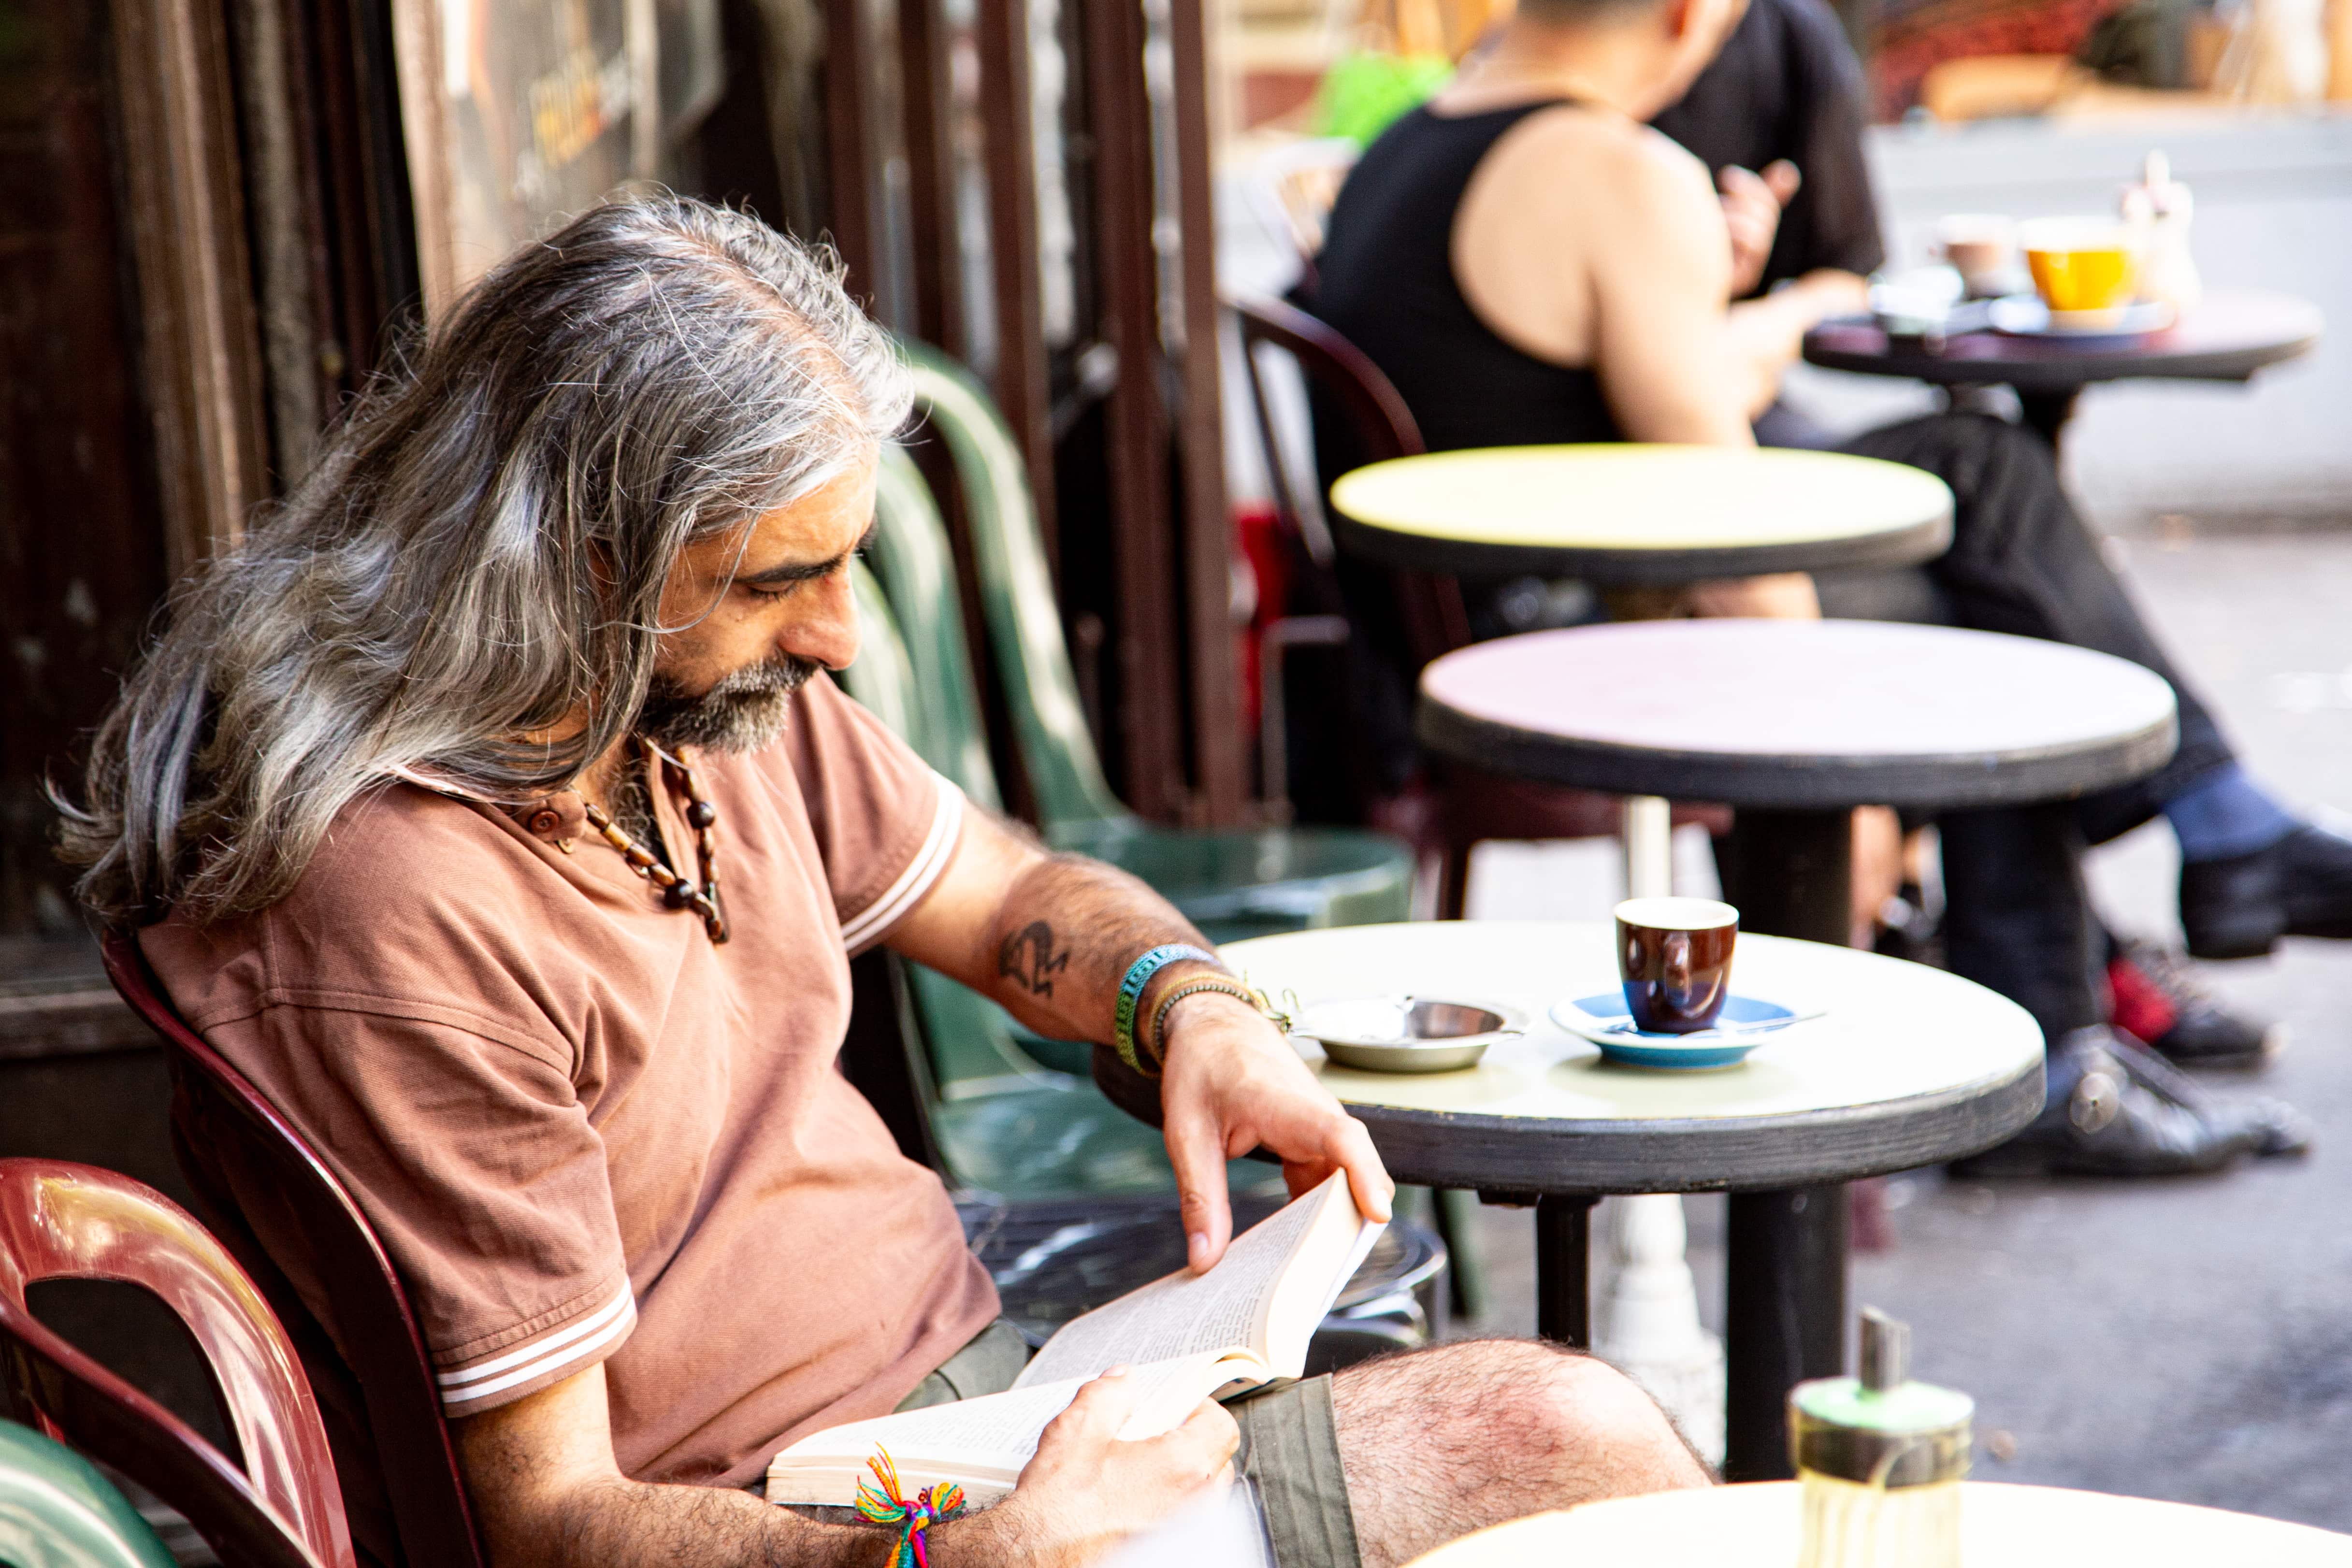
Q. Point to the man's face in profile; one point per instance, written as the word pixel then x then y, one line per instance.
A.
pixel 759 611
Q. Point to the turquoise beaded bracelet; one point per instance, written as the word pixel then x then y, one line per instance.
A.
pixel 1130 996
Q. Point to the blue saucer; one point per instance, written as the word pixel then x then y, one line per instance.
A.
pixel 1746 1023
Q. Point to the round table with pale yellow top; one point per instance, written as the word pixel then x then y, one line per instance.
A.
pixel 2001 1527
pixel 1629 513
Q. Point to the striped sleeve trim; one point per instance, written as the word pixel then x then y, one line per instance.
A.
pixel 566 1349
pixel 921 873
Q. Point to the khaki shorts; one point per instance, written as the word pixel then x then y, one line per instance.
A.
pixel 1289 1454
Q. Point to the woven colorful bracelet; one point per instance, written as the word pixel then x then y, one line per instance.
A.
pixel 879 1503
pixel 1130 996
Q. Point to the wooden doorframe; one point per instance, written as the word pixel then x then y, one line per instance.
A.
pixel 200 334
pixel 1219 763
pixel 1177 731
pixel 1000 30
pixel 1150 725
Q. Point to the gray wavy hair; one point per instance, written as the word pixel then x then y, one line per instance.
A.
pixel 480 550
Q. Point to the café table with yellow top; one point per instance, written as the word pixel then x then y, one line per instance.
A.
pixel 2001 1527
pixel 1637 515
pixel 1631 514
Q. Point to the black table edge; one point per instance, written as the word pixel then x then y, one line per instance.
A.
pixel 1922 541
pixel 2061 375
pixel 1737 1153
pixel 1941 781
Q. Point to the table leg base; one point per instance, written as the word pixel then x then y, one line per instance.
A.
pixel 1784 1319
pixel 1563 1269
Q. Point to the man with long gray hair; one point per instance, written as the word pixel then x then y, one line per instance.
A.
pixel 422 811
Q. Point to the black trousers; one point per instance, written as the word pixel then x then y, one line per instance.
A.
pixel 2018 917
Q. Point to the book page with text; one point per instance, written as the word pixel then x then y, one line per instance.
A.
pixel 1185 1314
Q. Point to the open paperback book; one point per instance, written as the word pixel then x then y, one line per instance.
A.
pixel 1184 1338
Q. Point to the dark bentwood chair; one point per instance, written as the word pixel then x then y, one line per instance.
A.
pixel 373 1374
pixel 1471 804
pixel 1379 427
pixel 59 1220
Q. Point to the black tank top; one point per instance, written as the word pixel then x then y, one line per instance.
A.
pixel 1385 279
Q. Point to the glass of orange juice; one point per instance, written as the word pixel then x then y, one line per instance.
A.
pixel 2081 266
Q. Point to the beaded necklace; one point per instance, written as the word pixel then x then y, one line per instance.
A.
pixel 702 816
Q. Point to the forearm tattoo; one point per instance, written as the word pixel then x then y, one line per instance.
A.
pixel 1064 937
pixel 1028 959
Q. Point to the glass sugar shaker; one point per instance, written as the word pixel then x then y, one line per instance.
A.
pixel 1880 1459
pixel 2161 207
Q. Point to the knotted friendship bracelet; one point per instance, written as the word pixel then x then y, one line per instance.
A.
pixel 878 1502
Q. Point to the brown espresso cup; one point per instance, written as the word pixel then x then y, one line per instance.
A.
pixel 1674 957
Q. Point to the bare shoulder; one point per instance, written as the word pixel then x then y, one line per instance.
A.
pixel 1573 203
pixel 1604 157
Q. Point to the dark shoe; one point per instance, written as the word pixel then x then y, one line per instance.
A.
pixel 2109 1115
pixel 2156 998
pixel 2279 1129
pixel 2240 907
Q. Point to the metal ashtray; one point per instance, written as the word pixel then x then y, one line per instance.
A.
pixel 1407 1034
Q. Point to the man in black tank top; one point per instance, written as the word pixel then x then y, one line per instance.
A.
pixel 1786 98
pixel 1528 262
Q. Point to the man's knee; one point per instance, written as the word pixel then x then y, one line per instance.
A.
pixel 1590 1406
pixel 1535 1399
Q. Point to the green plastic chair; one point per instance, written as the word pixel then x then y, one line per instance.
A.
pixel 1003 1123
pixel 1012 1112
pixel 1232 883
pixel 57 1512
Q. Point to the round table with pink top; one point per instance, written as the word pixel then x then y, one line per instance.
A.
pixel 1795 723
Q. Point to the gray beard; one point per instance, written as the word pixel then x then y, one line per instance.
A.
pixel 744 712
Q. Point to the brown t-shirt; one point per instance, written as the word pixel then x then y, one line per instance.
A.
pixel 583 1132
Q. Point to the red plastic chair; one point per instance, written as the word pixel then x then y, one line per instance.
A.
pixel 402 1492
pixel 59 1220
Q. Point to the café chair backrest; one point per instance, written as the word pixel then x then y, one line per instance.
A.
pixel 968 1039
pixel 383 1352
pixel 915 565
pixel 1025 621
pixel 57 1512
pixel 59 1221
pixel 1380 424
pixel 1376 426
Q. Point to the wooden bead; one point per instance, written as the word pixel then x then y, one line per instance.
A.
pixel 677 892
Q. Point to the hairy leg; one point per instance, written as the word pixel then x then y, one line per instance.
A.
pixel 1448 1440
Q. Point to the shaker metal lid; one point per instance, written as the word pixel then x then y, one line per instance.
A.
pixel 1881 1428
